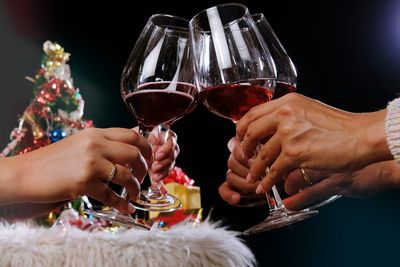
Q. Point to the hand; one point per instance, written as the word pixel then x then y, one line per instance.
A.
pixel 236 182
pixel 79 164
pixel 165 154
pixel 367 182
pixel 299 132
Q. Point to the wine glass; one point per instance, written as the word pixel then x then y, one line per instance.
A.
pixel 286 80
pixel 157 85
pixel 235 72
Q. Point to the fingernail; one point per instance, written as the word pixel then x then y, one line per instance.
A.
pixel 231 144
pixel 131 208
pixel 248 178
pixel 160 155
pixel 235 199
pixel 156 166
pixel 260 189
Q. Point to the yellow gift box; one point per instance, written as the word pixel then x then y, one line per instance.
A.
pixel 189 195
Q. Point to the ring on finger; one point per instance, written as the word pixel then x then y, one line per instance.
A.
pixel 305 176
pixel 111 175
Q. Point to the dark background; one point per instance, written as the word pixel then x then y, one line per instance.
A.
pixel 347 54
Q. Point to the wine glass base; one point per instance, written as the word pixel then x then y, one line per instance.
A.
pixel 280 218
pixel 323 203
pixel 117 217
pixel 166 203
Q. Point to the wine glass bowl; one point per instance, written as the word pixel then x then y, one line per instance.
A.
pixel 234 70
pixel 286 80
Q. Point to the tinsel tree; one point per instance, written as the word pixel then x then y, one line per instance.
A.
pixel 56 108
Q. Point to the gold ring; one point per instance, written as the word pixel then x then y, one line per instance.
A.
pixel 305 176
pixel 112 174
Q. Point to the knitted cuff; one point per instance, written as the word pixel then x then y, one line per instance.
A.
pixel 392 128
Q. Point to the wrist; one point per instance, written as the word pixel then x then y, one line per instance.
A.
pixel 373 141
pixel 390 172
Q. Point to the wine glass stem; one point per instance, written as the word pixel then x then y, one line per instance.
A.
pixel 155 189
pixel 277 197
pixel 270 201
pixel 274 201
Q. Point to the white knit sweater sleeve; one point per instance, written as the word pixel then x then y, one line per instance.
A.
pixel 392 128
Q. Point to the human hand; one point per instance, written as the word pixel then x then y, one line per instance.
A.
pixel 300 132
pixel 364 183
pixel 164 153
pixel 79 165
pixel 238 168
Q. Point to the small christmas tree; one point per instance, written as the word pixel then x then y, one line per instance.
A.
pixel 56 108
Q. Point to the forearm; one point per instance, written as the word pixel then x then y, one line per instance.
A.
pixel 372 180
pixel 11 180
pixel 27 210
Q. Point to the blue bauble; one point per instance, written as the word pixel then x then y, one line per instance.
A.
pixel 56 135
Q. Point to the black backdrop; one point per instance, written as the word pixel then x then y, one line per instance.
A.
pixel 347 55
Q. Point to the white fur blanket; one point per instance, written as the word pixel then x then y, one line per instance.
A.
pixel 205 245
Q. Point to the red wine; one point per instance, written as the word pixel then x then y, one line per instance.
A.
pixel 282 88
pixel 160 103
pixel 232 101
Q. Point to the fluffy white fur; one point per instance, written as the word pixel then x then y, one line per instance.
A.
pixel 205 245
